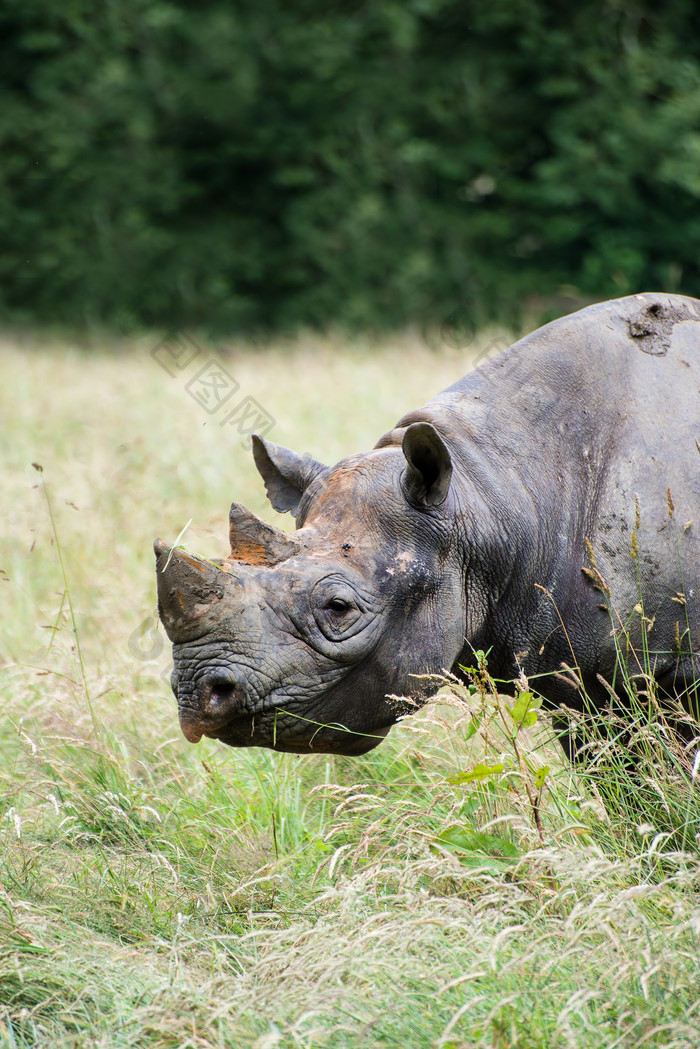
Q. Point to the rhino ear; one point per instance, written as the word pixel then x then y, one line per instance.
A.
pixel 429 470
pixel 286 474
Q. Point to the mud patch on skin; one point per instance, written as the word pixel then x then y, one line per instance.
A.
pixel 246 551
pixel 254 542
pixel 652 328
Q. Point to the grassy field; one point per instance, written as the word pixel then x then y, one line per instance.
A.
pixel 458 887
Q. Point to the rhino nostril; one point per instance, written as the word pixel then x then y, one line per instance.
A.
pixel 218 694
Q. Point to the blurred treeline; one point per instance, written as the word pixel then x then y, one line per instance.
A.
pixel 248 164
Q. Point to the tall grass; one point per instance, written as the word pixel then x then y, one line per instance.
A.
pixel 459 886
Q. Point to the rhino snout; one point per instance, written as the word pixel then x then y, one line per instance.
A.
pixel 218 698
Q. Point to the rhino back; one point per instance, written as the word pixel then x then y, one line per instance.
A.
pixel 566 444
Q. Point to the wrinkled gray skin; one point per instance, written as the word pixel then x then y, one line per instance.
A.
pixel 465 528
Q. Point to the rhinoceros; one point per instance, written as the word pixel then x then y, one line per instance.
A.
pixel 542 509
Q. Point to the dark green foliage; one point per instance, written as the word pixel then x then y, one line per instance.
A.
pixel 266 165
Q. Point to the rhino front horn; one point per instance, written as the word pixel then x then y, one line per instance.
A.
pixel 190 590
pixel 254 542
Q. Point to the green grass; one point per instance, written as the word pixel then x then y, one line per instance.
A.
pixel 459 886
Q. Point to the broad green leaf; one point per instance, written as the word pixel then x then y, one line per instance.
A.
pixel 541 775
pixel 479 772
pixel 480 851
pixel 472 728
pixel 524 710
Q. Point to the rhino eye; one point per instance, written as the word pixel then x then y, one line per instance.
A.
pixel 339 610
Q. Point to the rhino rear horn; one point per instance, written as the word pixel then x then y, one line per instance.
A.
pixel 286 474
pixel 429 466
pixel 255 542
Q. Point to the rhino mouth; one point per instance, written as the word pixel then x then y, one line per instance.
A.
pixel 247 730
pixel 325 739
pixel 220 710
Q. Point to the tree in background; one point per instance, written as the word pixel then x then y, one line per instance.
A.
pixel 265 165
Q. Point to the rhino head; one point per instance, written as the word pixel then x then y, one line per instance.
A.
pixel 302 641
